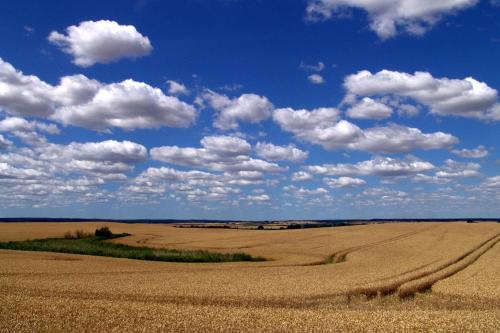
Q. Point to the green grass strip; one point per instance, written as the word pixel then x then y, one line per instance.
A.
pixel 98 247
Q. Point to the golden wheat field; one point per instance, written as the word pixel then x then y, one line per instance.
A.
pixel 390 277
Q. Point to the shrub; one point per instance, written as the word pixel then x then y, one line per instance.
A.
pixel 82 234
pixel 68 235
pixel 77 234
pixel 260 227
pixel 103 232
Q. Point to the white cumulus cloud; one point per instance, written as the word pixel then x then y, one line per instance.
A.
pixel 342 182
pixel 390 17
pixel 27 95
pixel 4 142
pixel 26 130
pixel 380 166
pixel 176 88
pixel 80 101
pixel 109 150
pixel 322 127
pixel 492 182
pixel 368 108
pixel 271 152
pixel 128 105
pixel 226 146
pixel 8 171
pixel 301 176
pixel 316 79
pixel 448 97
pixel 454 169
pixel 108 159
pixel 302 192
pixel 478 152
pixel 249 108
pixel 102 42
pixel 219 153
pixel 400 139
pixel 258 198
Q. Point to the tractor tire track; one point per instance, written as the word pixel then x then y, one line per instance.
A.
pixel 426 283
pixel 340 256
pixel 423 280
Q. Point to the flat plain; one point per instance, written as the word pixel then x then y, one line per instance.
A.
pixel 436 277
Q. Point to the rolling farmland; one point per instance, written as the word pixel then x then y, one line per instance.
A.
pixel 375 277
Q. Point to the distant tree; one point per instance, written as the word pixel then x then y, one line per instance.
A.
pixel 103 232
pixel 260 227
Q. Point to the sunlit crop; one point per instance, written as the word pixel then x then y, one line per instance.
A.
pixel 437 277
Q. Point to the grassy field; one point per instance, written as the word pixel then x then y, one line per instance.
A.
pixel 437 277
pixel 99 247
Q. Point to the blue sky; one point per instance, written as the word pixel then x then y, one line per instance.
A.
pixel 242 109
